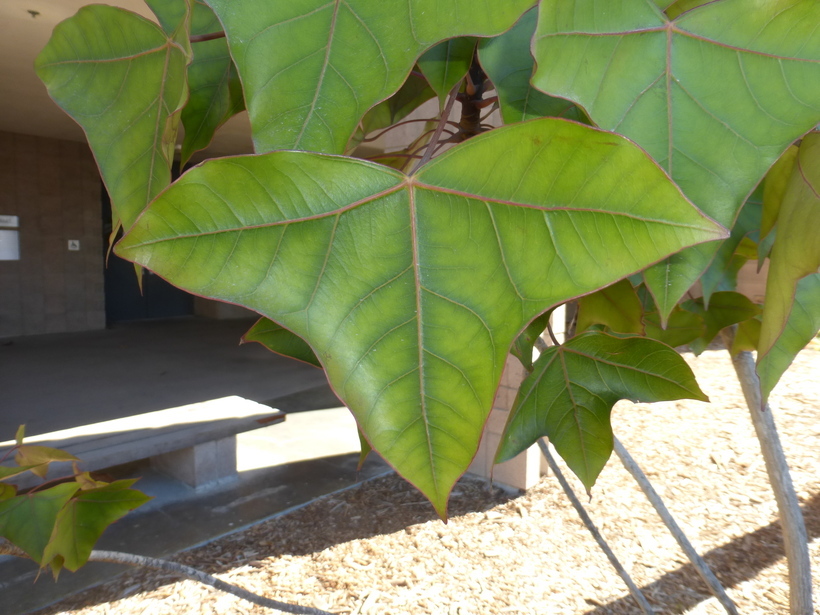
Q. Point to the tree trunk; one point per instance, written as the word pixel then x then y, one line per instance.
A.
pixel 795 537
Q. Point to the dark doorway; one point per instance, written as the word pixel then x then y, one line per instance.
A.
pixel 123 300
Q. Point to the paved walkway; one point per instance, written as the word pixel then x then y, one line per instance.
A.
pixel 53 382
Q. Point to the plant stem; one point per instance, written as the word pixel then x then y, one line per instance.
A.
pixel 130 559
pixel 445 115
pixel 795 537
pixel 579 508
pixel 697 561
pixel 201 38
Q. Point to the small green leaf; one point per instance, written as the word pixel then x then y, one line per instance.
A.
pixel 801 327
pixel 27 521
pixel 326 63
pixel 122 79
pixel 524 343
pixel 509 64
pixel 21 433
pixel 277 339
pixel 725 309
pixel 446 64
pixel 682 327
pixel 569 396
pixel 82 520
pixel 795 257
pixel 616 307
pixel 746 337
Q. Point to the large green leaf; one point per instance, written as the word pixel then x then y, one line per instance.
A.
pixel 215 89
pixel 795 255
pixel 570 393
pixel 27 520
pixel 715 96
pixel 82 520
pixel 411 290
pixel 122 79
pixel 509 64
pixel 446 64
pixel 311 69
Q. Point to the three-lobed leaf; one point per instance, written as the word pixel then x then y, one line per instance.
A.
pixel 714 96
pixel 411 289
pixel 570 393
pixel 311 69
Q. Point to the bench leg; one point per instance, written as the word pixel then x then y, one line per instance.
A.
pixel 202 464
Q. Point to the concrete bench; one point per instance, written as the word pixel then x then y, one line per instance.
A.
pixel 195 443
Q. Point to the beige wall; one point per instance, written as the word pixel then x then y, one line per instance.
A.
pixel 54 188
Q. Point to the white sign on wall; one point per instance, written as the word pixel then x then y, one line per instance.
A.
pixel 9 245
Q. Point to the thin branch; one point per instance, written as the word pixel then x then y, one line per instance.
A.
pixel 389 128
pixel 201 38
pixel 448 108
pixel 579 508
pixel 555 341
pixel 697 561
pixel 130 559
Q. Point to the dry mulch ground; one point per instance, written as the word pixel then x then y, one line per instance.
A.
pixel 379 549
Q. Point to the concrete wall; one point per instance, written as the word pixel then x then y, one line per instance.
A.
pixel 54 188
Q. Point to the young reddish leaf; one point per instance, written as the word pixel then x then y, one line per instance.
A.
pixel 569 396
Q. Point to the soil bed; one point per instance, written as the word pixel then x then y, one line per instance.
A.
pixel 379 549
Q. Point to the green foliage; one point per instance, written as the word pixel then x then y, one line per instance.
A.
pixel 57 526
pixel 790 320
pixel 123 80
pixel 714 96
pixel 427 250
pixel 410 289
pixel 617 306
pixel 570 393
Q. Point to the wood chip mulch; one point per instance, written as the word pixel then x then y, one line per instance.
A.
pixel 378 548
